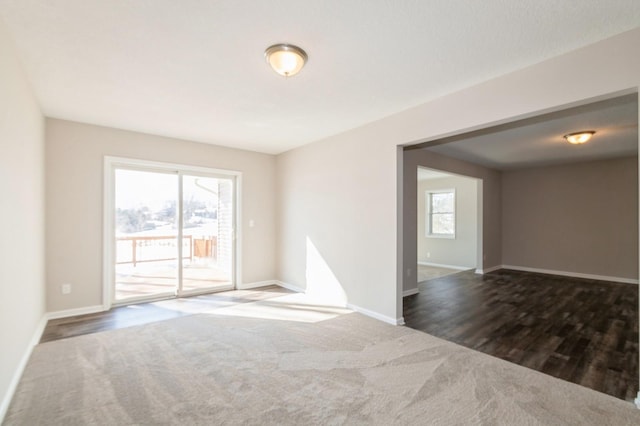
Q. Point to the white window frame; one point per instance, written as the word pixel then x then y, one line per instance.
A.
pixel 427 199
pixel 110 166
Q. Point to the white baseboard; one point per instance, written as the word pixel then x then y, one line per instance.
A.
pixel 489 269
pixel 410 292
pixel 77 311
pixel 257 284
pixel 367 312
pixel 376 315
pixel 637 400
pixel 291 287
pixel 572 274
pixel 17 375
pixel 442 265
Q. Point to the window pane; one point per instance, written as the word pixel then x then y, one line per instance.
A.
pixel 208 224
pixel 146 234
pixel 442 223
pixel 442 202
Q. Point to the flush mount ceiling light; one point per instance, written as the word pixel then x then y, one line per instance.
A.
pixel 579 137
pixel 285 59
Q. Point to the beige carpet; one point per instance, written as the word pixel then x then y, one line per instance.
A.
pixel 329 367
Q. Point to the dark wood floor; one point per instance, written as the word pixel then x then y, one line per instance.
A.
pixel 579 330
pixel 144 313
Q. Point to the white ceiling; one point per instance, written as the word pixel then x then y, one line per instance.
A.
pixel 539 141
pixel 194 69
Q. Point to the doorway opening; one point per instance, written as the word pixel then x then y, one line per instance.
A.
pixel 169 231
pixel 447 226
pixel 560 222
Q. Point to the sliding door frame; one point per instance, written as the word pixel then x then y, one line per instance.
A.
pixel 108 240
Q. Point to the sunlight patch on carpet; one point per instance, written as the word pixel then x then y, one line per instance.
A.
pixel 292 307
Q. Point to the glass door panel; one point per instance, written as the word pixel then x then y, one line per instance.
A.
pixel 207 233
pixel 146 234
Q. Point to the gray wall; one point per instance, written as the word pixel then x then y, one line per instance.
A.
pixel 574 218
pixel 74 158
pixel 22 215
pixel 461 250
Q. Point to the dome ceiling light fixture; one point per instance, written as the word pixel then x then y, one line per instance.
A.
pixel 579 137
pixel 285 59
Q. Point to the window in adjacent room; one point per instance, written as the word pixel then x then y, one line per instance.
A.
pixel 441 213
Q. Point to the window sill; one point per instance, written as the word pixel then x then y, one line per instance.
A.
pixel 445 237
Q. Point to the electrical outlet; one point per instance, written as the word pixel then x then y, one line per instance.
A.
pixel 66 288
pixel 428 254
pixel 408 272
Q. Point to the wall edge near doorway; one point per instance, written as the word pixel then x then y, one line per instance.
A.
pixel 410 292
pixel 490 269
pixel 257 284
pixel 76 311
pixel 442 265
pixel 376 315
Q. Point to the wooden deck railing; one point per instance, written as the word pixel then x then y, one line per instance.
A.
pixel 135 245
pixel 198 247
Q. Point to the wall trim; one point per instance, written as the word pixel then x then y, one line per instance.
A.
pixel 410 292
pixel 442 265
pixel 367 312
pixel 291 287
pixel 257 284
pixel 376 315
pixel 17 375
pixel 637 400
pixel 489 269
pixel 77 311
pixel 572 274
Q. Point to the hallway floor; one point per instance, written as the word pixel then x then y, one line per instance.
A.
pixel 579 330
pixel 429 272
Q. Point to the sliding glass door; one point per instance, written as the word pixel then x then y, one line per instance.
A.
pixel 172 232
pixel 146 235
pixel 207 229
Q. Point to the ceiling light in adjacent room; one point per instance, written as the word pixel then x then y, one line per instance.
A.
pixel 579 137
pixel 285 59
